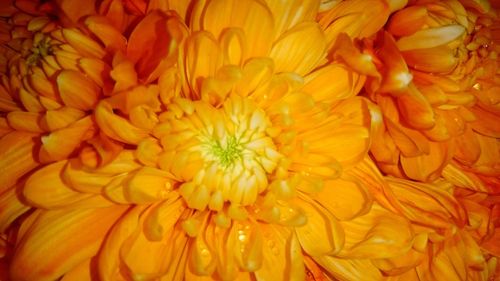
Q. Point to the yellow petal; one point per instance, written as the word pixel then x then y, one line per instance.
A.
pixel 350 269
pixel 81 272
pixel 431 37
pixel 253 17
pixel 322 234
pixel 283 258
pixel 300 49
pixel 344 199
pixel 77 91
pixel 59 240
pixel 148 185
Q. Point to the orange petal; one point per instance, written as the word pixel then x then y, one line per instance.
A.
pixel 253 17
pixel 378 234
pixel 46 189
pixel 25 121
pixel 283 258
pixel 59 240
pixel 358 18
pixel 108 259
pixel 407 21
pixel 437 59
pixel 77 91
pixel 300 49
pixel 83 44
pixel 11 208
pixel 117 127
pixel 415 109
pixel 73 11
pixel 322 234
pixel 428 167
pixel 350 269
pixel 60 118
pixel 154 39
pixel 106 32
pixel 60 144
pixel 344 199
pixel 396 75
pixel 431 37
pixel 323 89
pixel 16 157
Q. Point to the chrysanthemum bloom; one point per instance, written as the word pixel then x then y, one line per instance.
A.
pixel 426 92
pixel 453 223
pixel 227 142
pixel 222 149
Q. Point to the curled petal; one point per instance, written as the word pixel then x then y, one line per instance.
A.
pixel 117 127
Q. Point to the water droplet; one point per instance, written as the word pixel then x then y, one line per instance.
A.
pixel 205 253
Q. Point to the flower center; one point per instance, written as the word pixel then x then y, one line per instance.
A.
pixel 40 50
pixel 228 153
pixel 224 157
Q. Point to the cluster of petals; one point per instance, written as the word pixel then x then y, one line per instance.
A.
pixel 249 140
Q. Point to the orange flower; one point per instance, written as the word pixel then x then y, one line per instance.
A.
pixel 232 140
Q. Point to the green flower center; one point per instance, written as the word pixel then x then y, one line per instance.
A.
pixel 227 153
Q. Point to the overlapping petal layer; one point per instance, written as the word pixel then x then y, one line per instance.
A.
pixel 249 140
